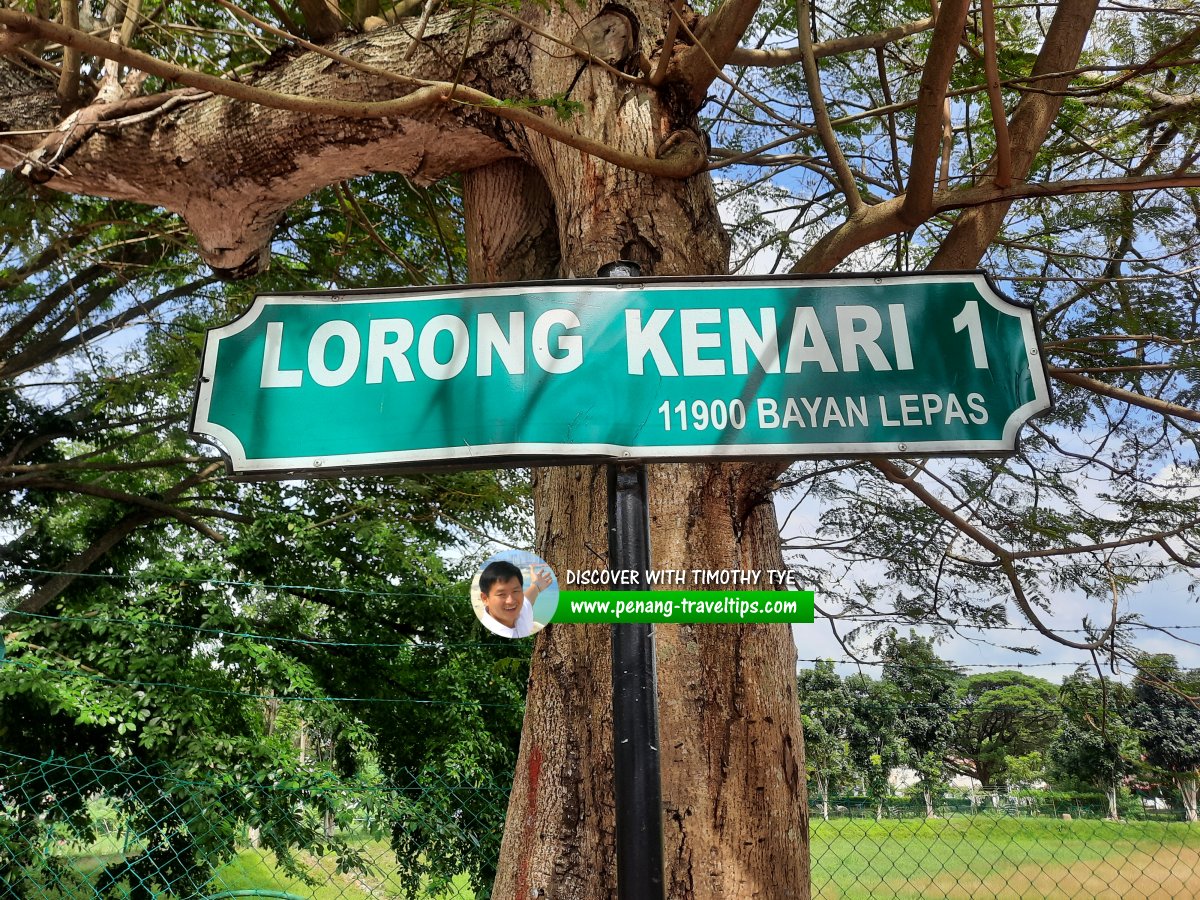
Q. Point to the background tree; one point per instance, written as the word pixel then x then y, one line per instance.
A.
pixel 1026 771
pixel 927 686
pixel 204 598
pixel 873 736
pixel 1001 716
pixel 825 709
pixel 1095 745
pixel 1166 711
pixel 875 136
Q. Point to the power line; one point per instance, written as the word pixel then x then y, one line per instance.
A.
pixel 248 695
pixel 247 635
pixel 83 763
pixel 880 620
pixel 225 582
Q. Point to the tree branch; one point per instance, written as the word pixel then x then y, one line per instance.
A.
pixel 95 490
pixel 49 346
pixel 995 100
pixel 297 120
pixel 54 586
pixel 659 75
pixel 1158 537
pixel 884 219
pixel 896 475
pixel 775 57
pixel 322 19
pixel 1133 398
pixel 931 99
pixel 812 78
pixel 717 39
pixel 125 258
pixel 74 464
pixel 68 81
pixel 964 246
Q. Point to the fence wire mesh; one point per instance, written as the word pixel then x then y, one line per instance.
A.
pixel 88 827
pixel 110 828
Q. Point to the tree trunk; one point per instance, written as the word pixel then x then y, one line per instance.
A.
pixel 735 817
pixel 735 807
pixel 927 793
pixel 823 788
pixel 1187 783
pixel 986 776
pixel 1113 812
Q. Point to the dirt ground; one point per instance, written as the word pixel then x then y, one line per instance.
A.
pixel 1171 872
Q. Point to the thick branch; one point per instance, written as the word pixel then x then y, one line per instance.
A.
pixel 931 100
pixel 995 100
pixel 55 585
pixel 718 37
pixel 964 246
pixel 785 56
pixel 230 165
pixel 322 18
pixel 68 82
pixel 812 78
pixel 884 219
pixel 230 168
pixel 1133 398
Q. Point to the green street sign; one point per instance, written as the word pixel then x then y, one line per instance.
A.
pixel 649 368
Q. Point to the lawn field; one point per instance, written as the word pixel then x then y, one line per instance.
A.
pixel 956 857
pixel 252 870
pixel 256 869
pixel 1002 857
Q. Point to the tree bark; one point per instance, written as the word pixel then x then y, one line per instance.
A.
pixel 823 788
pixel 1188 783
pixel 735 810
pixel 733 788
pixel 230 167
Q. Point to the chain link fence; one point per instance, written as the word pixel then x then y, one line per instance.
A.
pixel 89 827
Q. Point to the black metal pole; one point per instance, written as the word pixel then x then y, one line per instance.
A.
pixel 637 779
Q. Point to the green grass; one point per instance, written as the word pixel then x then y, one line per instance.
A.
pixel 257 869
pixel 959 856
pixel 997 856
